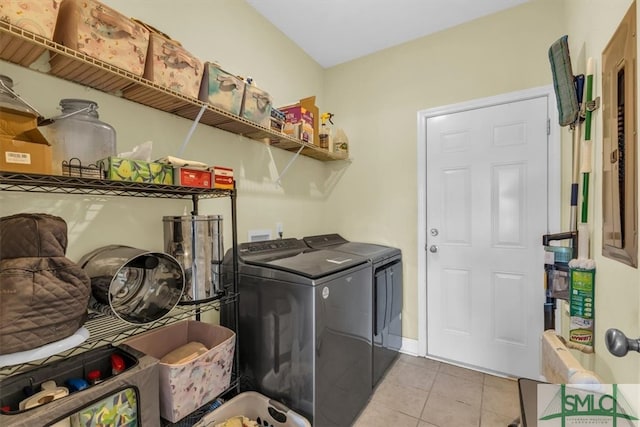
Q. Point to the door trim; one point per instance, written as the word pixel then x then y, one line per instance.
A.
pixel 553 173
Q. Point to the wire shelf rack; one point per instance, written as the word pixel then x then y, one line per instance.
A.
pixel 23 47
pixel 107 329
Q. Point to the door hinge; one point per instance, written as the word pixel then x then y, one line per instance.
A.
pixel 548 126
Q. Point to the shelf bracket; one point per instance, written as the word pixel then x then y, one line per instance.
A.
pixel 193 128
pixel 286 168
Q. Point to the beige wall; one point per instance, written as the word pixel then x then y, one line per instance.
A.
pixel 375 99
pixel 617 285
pixel 378 97
pixel 232 33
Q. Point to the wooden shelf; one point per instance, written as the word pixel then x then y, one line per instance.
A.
pixel 24 48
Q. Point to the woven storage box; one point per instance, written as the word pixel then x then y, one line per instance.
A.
pixel 257 407
pixel 36 16
pixel 186 387
pixel 94 29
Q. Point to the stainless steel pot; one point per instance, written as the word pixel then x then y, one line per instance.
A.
pixel 196 242
pixel 136 285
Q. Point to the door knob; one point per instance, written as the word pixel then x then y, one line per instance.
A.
pixel 433 249
pixel 618 344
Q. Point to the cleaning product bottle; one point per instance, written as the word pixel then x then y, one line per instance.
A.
pixel 324 133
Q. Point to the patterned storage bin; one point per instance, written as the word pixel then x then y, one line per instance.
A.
pixel 256 106
pixel 187 386
pixel 221 89
pixel 36 16
pixel 94 29
pixel 172 66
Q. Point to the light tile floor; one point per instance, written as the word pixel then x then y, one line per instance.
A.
pixel 419 392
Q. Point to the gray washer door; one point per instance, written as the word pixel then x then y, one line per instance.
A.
pixel 343 347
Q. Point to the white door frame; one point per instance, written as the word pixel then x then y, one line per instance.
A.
pixel 554 181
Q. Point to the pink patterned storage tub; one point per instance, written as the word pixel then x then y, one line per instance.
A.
pixel 95 29
pixel 188 386
pixel 36 16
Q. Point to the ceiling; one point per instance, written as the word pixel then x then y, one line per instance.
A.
pixel 337 31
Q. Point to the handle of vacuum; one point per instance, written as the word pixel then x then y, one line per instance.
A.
pixel 573 235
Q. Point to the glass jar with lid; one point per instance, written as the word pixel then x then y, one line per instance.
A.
pixel 9 99
pixel 79 138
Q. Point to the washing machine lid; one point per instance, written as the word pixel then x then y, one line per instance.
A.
pixel 313 264
pixel 324 240
pixel 336 242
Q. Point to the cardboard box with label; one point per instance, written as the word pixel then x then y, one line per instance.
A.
pixel 298 123
pixel 22 146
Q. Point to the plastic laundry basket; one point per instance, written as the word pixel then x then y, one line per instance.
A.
pixel 256 407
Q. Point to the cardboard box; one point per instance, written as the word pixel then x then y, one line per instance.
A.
pixel 186 387
pixel 172 66
pixel 189 177
pixel 310 105
pixel 222 178
pixel 298 123
pixel 95 29
pixel 119 169
pixel 256 106
pixel 22 146
pixel 36 16
pixel 221 89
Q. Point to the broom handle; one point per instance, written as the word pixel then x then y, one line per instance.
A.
pixel 573 222
pixel 585 168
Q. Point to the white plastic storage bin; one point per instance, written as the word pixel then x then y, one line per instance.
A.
pixel 256 407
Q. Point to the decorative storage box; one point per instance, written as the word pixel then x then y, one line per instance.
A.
pixel 187 177
pixel 94 29
pixel 254 406
pixel 126 399
pixel 119 169
pixel 221 89
pixel 256 106
pixel 170 65
pixel 36 16
pixel 186 387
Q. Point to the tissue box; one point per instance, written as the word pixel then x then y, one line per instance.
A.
pixel 95 29
pixel 170 65
pixel 256 106
pixel 36 16
pixel 187 177
pixel 221 89
pixel 119 169
pixel 186 387
pixel 22 146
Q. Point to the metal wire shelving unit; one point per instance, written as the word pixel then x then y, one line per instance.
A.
pixel 105 329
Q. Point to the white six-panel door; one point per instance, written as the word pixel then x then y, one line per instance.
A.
pixel 486 214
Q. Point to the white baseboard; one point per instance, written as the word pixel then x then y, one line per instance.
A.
pixel 409 346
